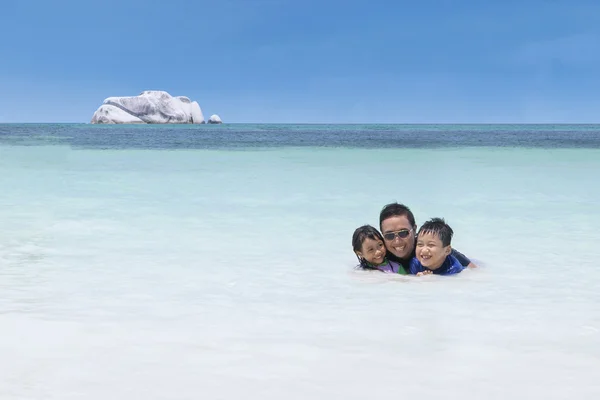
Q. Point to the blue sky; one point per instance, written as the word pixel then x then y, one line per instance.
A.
pixel 306 61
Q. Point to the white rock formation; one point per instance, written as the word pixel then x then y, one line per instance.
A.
pixel 215 119
pixel 108 114
pixel 150 107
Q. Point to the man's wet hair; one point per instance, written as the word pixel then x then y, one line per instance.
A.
pixel 396 210
pixel 440 228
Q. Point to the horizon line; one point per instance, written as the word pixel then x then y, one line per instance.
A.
pixel 311 123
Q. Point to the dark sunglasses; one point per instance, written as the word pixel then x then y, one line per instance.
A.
pixel 402 234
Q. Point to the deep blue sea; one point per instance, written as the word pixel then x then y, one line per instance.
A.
pixel 186 262
pixel 240 136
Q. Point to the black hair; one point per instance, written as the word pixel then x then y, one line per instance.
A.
pixel 439 227
pixel 359 236
pixel 396 210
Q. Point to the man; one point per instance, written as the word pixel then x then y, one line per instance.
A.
pixel 399 229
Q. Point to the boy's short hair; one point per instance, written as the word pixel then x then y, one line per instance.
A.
pixel 439 227
pixel 396 210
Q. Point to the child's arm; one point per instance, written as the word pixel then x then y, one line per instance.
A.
pixel 415 267
pixel 427 272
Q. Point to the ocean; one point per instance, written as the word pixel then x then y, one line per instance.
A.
pixel 188 262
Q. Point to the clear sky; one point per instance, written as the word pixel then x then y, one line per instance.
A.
pixel 307 61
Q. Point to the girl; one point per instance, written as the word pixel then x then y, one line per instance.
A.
pixel 368 246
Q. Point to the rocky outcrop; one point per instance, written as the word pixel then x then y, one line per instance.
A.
pixel 150 107
pixel 215 119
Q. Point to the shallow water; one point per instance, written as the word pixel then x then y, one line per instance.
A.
pixel 154 262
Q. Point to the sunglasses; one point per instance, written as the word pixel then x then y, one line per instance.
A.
pixel 402 234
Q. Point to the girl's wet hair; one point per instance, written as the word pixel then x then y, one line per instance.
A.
pixel 359 236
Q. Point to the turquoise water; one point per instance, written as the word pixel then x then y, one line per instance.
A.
pixel 178 262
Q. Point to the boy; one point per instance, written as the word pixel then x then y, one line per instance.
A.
pixel 433 250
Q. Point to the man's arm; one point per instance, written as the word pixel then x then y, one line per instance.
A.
pixel 462 259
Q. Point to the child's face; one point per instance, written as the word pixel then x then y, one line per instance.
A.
pixel 372 250
pixel 430 251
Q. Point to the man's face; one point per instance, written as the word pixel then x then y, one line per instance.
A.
pixel 399 236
